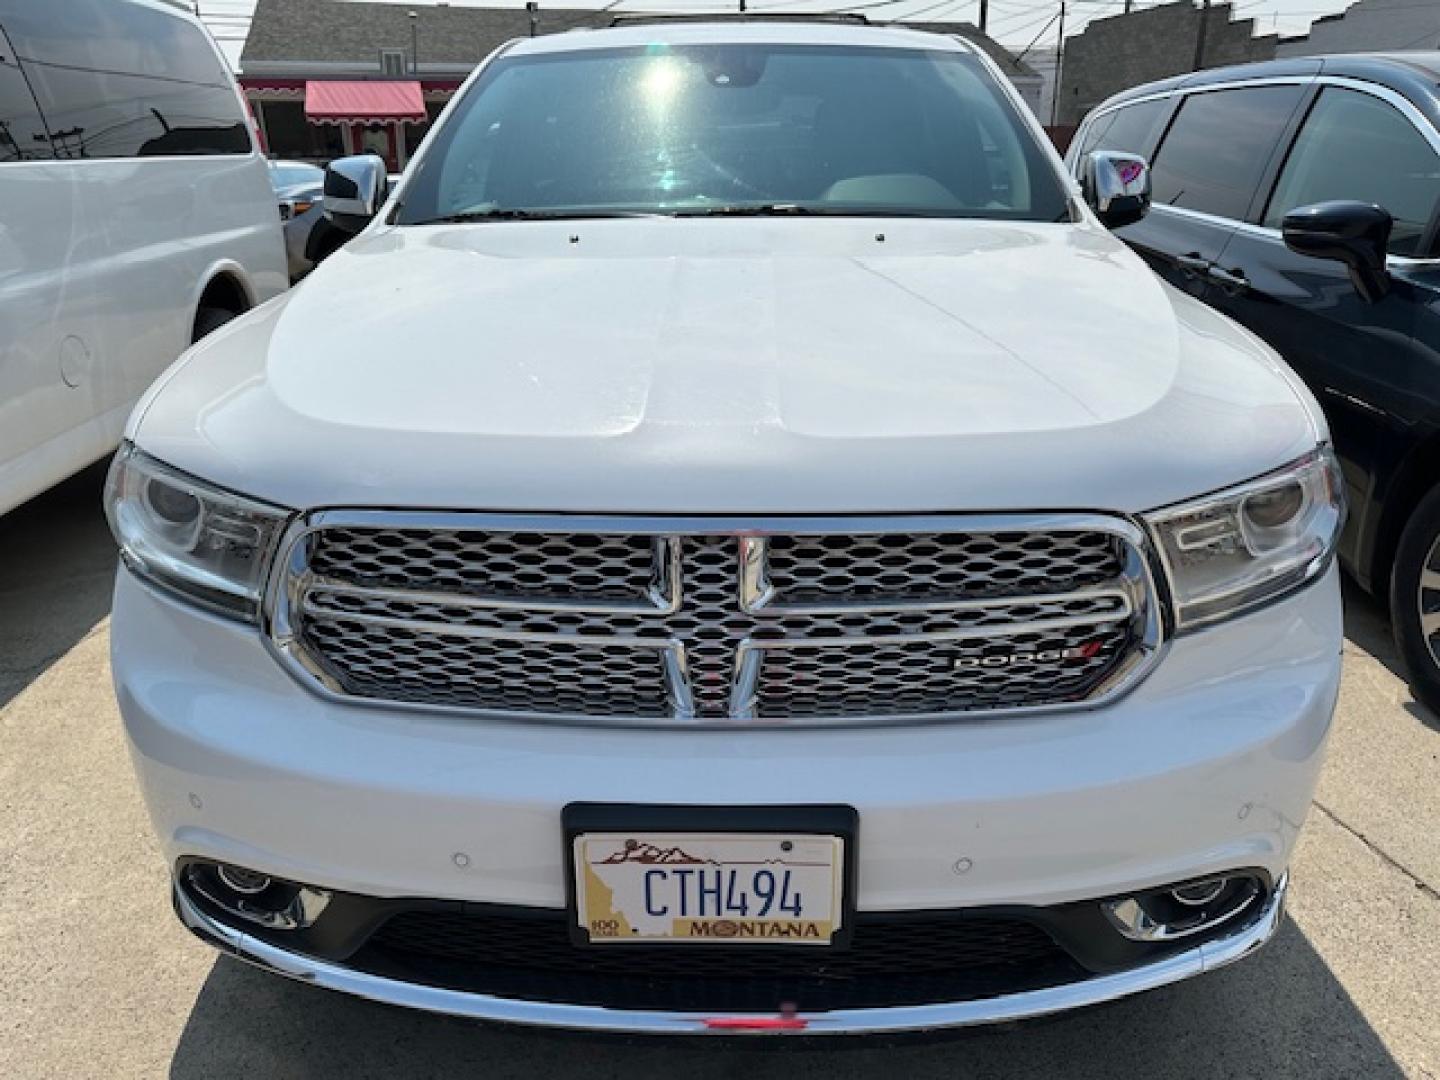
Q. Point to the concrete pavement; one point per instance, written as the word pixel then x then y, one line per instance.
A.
pixel 97 979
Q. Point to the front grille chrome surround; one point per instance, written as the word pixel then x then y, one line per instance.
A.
pixel 716 622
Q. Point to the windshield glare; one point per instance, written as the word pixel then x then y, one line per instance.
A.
pixel 705 128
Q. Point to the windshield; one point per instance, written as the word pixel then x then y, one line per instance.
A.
pixel 734 128
pixel 283 176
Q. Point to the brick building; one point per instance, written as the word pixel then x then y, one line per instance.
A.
pixel 1122 51
pixel 1370 26
pixel 327 78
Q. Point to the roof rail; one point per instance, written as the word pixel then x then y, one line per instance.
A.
pixel 630 18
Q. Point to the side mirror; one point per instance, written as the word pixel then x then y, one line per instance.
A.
pixel 1354 233
pixel 355 188
pixel 1116 186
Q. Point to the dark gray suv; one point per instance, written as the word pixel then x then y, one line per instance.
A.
pixel 1300 198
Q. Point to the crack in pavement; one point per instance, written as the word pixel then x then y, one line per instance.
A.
pixel 1420 883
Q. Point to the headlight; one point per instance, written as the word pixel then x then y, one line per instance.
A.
pixel 1229 552
pixel 189 537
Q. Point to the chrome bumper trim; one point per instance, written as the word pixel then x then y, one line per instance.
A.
pixel 1205 957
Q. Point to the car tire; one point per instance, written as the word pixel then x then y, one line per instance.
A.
pixel 1415 600
pixel 210 319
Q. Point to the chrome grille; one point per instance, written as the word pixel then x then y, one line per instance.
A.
pixel 654 622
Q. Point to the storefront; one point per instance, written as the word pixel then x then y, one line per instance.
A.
pixel 322 119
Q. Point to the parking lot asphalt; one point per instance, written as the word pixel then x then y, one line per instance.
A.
pixel 98 980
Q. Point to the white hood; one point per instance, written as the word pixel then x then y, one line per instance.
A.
pixel 731 366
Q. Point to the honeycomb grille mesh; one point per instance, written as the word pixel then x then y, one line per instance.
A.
pixel 937 567
pixel 509 675
pixel 811 681
pixel 568 625
pixel 500 565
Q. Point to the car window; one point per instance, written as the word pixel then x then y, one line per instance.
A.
pixel 1128 129
pixel 101 114
pixel 22 132
pixel 123 80
pixel 689 128
pixel 1355 146
pixel 1217 148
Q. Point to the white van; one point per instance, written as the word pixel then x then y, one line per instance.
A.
pixel 136 215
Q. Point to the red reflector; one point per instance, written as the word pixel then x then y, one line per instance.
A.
pixel 757 1023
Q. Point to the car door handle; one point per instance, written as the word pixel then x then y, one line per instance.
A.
pixel 1193 261
pixel 1231 279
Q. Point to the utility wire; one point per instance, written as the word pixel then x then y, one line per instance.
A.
pixel 847 10
pixel 1025 25
pixel 854 8
pixel 1049 23
pixel 582 21
pixel 912 16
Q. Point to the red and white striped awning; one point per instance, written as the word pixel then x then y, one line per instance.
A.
pixel 379 102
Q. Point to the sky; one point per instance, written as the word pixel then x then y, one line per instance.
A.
pixel 1017 24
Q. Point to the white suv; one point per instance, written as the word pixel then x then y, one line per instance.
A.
pixel 734 544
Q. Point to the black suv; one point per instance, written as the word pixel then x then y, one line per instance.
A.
pixel 1302 198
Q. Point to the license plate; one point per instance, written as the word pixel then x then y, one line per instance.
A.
pixel 751 888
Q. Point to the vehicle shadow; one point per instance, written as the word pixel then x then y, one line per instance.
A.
pixel 1281 1014
pixel 1367 627
pixel 57 571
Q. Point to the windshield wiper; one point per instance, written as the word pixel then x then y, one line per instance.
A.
pixel 776 209
pixel 517 214
pixel 779 209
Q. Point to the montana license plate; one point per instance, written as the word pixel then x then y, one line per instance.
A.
pixel 709 888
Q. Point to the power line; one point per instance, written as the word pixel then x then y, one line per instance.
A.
pixel 911 16
pixel 1025 25
pixel 1048 23
pixel 838 11
pixel 1028 19
pixel 864 7
pixel 851 9
pixel 598 11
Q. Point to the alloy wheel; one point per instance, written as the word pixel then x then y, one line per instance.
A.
pixel 1428 598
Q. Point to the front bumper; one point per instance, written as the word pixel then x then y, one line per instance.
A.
pixel 1208 766
pixel 1213 954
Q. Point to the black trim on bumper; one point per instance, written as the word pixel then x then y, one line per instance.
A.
pixel 896 961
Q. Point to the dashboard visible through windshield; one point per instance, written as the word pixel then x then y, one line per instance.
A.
pixel 696 129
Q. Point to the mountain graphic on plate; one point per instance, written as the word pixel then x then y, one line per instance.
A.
pixel 635 851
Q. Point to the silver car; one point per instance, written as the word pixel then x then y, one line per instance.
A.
pixel 298 186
